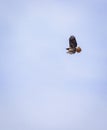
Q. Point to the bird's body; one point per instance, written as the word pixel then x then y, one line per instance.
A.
pixel 71 50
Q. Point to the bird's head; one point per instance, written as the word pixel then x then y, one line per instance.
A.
pixel 78 49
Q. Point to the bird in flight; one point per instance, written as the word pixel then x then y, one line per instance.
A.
pixel 73 46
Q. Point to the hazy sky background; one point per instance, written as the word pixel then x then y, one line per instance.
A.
pixel 41 86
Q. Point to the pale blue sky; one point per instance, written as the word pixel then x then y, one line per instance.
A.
pixel 41 86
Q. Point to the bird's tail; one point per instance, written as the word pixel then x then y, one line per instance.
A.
pixel 67 48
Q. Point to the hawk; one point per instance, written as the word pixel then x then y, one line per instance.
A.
pixel 73 46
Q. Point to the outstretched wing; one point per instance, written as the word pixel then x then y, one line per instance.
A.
pixel 72 42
